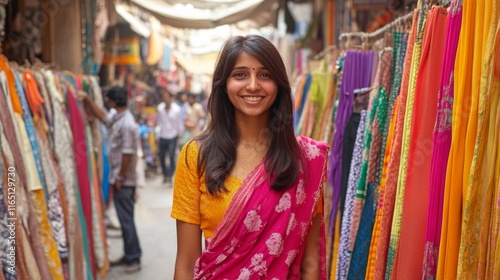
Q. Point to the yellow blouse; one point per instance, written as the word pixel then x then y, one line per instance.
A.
pixel 192 203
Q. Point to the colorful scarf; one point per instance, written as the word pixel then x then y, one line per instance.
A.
pixel 252 242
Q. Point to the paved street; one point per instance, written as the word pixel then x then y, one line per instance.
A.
pixel 156 234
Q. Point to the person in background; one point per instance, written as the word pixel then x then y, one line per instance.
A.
pixel 122 176
pixel 143 138
pixel 247 184
pixel 168 119
pixel 182 101
pixel 195 116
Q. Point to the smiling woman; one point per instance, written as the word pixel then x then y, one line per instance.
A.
pixel 251 89
pixel 247 184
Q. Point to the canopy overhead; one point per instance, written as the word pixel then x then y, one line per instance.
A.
pixel 201 14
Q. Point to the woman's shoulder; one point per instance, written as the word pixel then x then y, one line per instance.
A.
pixel 312 148
pixel 189 152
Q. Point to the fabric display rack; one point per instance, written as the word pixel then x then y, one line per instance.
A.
pixel 53 150
pixel 419 185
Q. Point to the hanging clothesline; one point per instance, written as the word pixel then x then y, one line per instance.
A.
pixel 365 36
pixel 379 32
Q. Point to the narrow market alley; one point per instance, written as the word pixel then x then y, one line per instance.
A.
pixel 156 234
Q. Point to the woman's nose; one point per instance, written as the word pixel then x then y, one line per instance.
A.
pixel 253 84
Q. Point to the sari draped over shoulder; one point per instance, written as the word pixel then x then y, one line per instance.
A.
pixel 263 233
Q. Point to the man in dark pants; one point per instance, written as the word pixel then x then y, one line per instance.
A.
pixel 122 161
pixel 168 118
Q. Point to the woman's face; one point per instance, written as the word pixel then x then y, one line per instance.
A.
pixel 250 87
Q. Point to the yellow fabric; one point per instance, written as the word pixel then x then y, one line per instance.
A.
pixel 45 233
pixel 494 261
pixel 300 92
pixel 318 96
pixel 453 193
pixel 192 203
pixel 479 186
pixel 335 247
pixel 33 179
pixel 156 48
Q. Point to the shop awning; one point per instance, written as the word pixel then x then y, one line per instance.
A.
pixel 198 64
pixel 191 14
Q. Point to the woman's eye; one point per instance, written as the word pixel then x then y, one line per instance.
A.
pixel 265 75
pixel 238 75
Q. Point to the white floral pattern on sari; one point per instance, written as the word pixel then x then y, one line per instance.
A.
pixel 271 241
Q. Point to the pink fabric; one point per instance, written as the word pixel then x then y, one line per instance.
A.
pixel 263 232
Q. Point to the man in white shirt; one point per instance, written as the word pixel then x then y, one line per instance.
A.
pixel 168 119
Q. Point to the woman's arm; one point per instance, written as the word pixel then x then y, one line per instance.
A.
pixel 310 267
pixel 188 250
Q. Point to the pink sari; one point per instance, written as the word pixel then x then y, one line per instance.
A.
pixel 263 233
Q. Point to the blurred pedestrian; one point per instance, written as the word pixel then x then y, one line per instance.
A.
pixel 122 176
pixel 195 116
pixel 247 183
pixel 168 119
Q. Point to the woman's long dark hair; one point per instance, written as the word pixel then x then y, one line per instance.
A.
pixel 219 141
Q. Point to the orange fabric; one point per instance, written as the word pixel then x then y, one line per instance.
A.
pixel 33 96
pixel 412 238
pixel 206 211
pixel 370 269
pixel 300 92
pixel 16 103
pixel 394 160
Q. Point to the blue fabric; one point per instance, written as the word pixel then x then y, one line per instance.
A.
pixel 105 164
pixel 307 85
pixel 165 63
pixel 359 258
pixel 105 173
pixel 31 131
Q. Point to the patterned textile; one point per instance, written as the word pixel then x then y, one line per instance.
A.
pixel 251 242
pixel 359 199
pixel 13 137
pixel 454 198
pixel 473 258
pixel 359 259
pixel 82 166
pixel 48 243
pixel 54 210
pixel 379 122
pixel 64 156
pixel 364 233
pixel 352 78
pixel 493 261
pixel 100 247
pixel 30 130
pixel 400 42
pixel 7 270
pixel 441 142
pixel 300 100
pixel 394 158
pixel 206 210
pixel 418 163
pixel 398 205
pixel 370 269
pixel 28 134
pixel 344 254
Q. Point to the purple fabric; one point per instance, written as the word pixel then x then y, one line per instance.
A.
pixel 357 73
